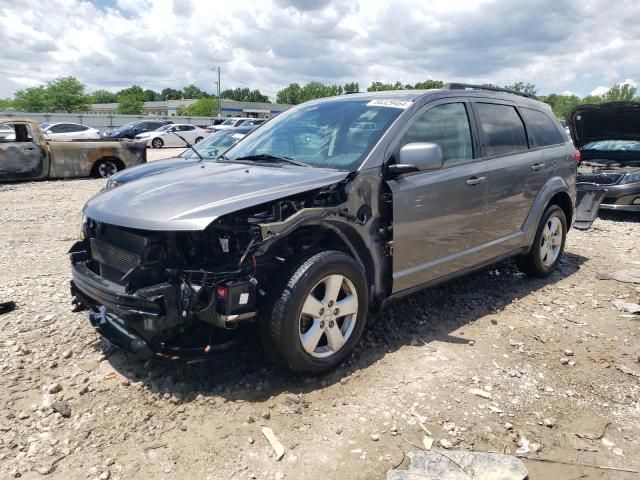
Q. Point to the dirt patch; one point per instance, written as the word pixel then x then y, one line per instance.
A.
pixel 545 352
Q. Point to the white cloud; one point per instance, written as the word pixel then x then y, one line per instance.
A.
pixel 599 90
pixel 556 44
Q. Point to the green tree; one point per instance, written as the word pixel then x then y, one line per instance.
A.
pixel 313 90
pixel 591 99
pixel 381 87
pixel 150 96
pixel 522 87
pixel 191 91
pixel 244 95
pixel 291 94
pixel 170 94
pixel 5 103
pixel 103 96
pixel 130 104
pixel 351 87
pixel 67 94
pixel 33 99
pixel 620 93
pixel 561 104
pixel 134 91
pixel 203 107
pixel 428 84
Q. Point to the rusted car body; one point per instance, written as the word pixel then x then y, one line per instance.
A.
pixel 29 156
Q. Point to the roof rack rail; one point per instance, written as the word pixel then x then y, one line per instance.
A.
pixel 464 86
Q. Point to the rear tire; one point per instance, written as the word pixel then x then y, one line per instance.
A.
pixel 314 321
pixel 157 143
pixel 548 244
pixel 105 168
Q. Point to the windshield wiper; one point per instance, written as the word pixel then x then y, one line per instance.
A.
pixel 266 157
pixel 189 145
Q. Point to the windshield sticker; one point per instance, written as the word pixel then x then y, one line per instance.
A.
pixel 380 102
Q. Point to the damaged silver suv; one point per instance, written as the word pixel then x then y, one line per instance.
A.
pixel 332 208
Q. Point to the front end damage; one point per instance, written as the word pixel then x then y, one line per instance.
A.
pixel 177 294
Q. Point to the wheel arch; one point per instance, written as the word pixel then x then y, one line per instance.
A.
pixel 336 236
pixel 555 192
pixel 563 200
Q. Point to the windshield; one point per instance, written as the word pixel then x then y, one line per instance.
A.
pixel 328 134
pixel 230 121
pixel 163 128
pixel 212 146
pixel 614 145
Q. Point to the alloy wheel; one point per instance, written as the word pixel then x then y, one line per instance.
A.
pixel 328 316
pixel 551 241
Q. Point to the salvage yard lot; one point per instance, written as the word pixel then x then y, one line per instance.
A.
pixel 557 362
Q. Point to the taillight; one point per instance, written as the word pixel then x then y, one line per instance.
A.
pixel 577 157
pixel 222 292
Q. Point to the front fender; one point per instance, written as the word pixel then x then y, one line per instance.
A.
pixel 554 186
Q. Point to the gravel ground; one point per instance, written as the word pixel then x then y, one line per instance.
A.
pixel 489 362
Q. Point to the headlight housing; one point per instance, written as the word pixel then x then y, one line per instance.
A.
pixel 83 226
pixel 630 178
pixel 112 182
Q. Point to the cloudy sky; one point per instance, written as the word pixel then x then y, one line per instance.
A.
pixel 577 46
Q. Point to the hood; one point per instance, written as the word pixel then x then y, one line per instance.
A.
pixel 192 197
pixel 153 168
pixel 607 121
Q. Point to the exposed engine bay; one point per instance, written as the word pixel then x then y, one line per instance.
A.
pixel 168 286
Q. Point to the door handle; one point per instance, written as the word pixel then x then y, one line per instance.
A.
pixel 536 167
pixel 27 149
pixel 476 180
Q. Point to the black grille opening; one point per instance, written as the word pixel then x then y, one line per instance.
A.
pixel 112 256
pixel 600 178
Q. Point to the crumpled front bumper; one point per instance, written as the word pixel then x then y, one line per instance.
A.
pixel 132 322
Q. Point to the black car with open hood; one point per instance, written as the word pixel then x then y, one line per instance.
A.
pixel 608 137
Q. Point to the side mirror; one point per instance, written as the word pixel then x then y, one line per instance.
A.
pixel 417 157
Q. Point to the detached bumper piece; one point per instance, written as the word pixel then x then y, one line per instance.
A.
pixel 588 202
pixel 151 321
pixel 112 328
pixel 133 322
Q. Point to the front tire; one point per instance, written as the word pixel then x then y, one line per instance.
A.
pixel 157 143
pixel 548 245
pixel 316 320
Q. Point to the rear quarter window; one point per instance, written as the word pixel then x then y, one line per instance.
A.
pixel 542 129
pixel 501 128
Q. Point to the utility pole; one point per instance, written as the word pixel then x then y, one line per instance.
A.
pixel 219 90
pixel 219 100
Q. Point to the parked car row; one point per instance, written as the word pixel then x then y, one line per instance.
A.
pixel 172 135
pixel 138 130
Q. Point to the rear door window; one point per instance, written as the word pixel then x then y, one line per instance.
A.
pixel 541 128
pixel 501 129
pixel 60 128
pixel 446 125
